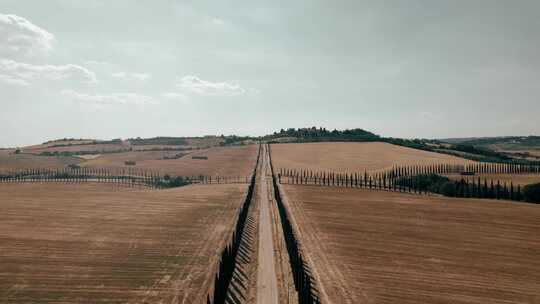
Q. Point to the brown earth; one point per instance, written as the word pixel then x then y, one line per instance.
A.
pixel 100 244
pixel 516 179
pixel 383 247
pixel 222 161
pixel 353 157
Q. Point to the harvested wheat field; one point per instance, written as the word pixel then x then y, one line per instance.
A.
pixel 10 161
pixel 516 179
pixel 384 247
pixel 91 243
pixel 354 157
pixel 222 161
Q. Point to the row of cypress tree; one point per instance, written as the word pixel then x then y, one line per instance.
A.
pixel 128 177
pixel 304 283
pixel 420 183
pixel 229 255
pixel 123 176
pixel 303 176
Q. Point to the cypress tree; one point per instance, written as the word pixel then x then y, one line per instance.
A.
pixel 511 191
pixel 365 179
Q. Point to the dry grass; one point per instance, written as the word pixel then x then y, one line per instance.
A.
pixel 223 161
pixel 379 247
pixel 354 157
pixel 99 244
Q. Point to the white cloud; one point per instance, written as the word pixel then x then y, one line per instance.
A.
pixel 140 77
pixel 217 21
pixel 12 80
pixel 174 96
pixel 430 116
pixel 98 63
pixel 20 36
pixel 100 101
pixel 23 73
pixel 196 85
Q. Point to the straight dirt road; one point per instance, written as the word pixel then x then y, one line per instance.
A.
pixel 267 290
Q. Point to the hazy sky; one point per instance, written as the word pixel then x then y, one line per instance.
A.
pixel 107 69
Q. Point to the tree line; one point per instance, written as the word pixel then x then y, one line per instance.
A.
pixel 229 255
pixel 383 178
pixel 120 176
pixel 424 179
pixel 476 188
pixel 304 283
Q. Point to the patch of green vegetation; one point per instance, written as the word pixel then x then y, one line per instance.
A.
pixel 234 140
pixel 93 142
pixel 172 181
pixel 531 193
pixel 435 183
pixel 429 183
pixel 529 141
pixel 70 153
pixel 176 156
pixel 166 141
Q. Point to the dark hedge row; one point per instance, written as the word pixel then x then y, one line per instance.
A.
pixel 227 263
pixel 303 281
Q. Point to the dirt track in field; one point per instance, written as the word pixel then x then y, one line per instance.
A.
pixel 100 244
pixel 353 157
pixel 380 247
pixel 267 287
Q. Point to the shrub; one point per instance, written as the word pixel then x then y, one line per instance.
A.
pixel 171 182
pixel 531 193
pixel 448 189
pixel 424 182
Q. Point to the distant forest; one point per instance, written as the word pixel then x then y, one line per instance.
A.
pixel 322 134
pixel 166 141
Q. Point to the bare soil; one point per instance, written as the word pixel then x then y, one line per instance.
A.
pixel 384 247
pixel 100 244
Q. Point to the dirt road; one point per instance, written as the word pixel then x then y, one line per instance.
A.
pixel 267 290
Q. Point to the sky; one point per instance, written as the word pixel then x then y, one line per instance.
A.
pixel 117 68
